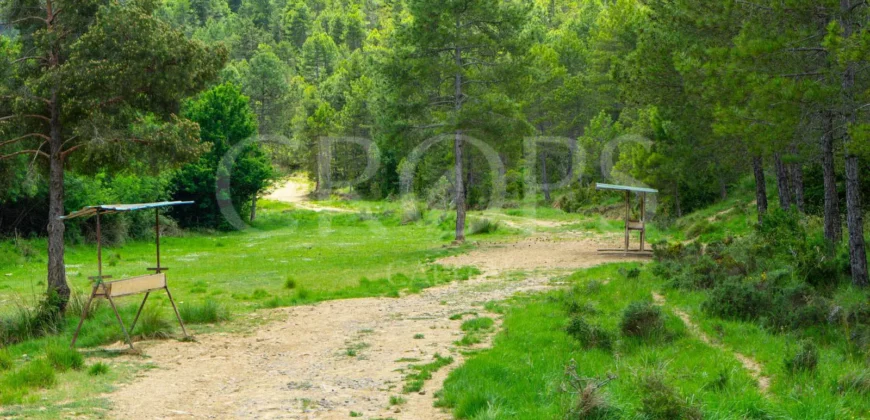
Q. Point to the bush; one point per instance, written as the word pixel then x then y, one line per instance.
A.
pixel 6 361
pixel 738 300
pixel 642 319
pixel 290 283
pixel 208 312
pixel 64 358
pixel 98 369
pixel 411 213
pixel 805 360
pixel 857 382
pixel 154 327
pixel 483 226
pixel 589 336
pixel 590 402
pixel 34 375
pixel 660 401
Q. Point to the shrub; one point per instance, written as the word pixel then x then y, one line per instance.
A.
pixel 483 226
pixel 98 369
pixel 152 326
pixel 642 319
pixel 857 382
pixel 590 336
pixel 737 300
pixel 660 401
pixel 411 213
pixel 590 402
pixel 290 283
pixel 6 361
pixel 36 374
pixel 208 312
pixel 805 360
pixel 64 358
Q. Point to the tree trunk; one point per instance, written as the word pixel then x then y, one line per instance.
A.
pixel 797 183
pixel 833 225
pixel 457 149
pixel 723 189
pixel 56 269
pixel 254 208
pixel 545 179
pixel 782 182
pixel 760 187
pixel 855 222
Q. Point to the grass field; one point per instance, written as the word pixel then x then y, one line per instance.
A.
pixel 543 366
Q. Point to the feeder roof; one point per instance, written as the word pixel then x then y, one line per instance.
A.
pixel 119 208
pixel 625 188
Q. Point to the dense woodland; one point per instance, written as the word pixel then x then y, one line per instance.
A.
pixel 139 100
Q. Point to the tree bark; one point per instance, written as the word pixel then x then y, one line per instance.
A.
pixel 797 183
pixel 855 221
pixel 760 187
pixel 457 149
pixel 782 182
pixel 854 215
pixel 545 179
pixel 833 225
pixel 254 208
pixel 56 268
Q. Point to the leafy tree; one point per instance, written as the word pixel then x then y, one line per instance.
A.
pixel 226 120
pixel 97 84
pixel 265 80
pixel 319 56
pixel 297 22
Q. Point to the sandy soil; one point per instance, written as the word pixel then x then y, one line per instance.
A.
pixel 298 193
pixel 299 367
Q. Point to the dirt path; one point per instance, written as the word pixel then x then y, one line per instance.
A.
pixel 750 364
pixel 299 367
pixel 297 192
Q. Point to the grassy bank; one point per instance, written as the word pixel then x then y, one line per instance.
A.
pixel 569 353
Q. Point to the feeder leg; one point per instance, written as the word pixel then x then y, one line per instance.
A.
pixel 135 320
pixel 82 320
pixel 177 315
pixel 118 315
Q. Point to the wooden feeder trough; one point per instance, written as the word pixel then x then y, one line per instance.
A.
pixel 631 225
pixel 130 286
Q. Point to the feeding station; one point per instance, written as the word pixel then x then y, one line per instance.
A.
pixel 631 225
pixel 110 290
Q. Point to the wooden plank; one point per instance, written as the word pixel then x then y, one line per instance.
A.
pixel 134 285
pixel 635 225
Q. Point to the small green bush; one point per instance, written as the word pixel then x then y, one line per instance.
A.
pixel 290 283
pixel 208 312
pixel 411 214
pixel 738 300
pixel 484 226
pixel 857 382
pixel 6 361
pixel 152 326
pixel 64 358
pixel 662 402
pixel 98 369
pixel 37 374
pixel 590 336
pixel 642 319
pixel 805 360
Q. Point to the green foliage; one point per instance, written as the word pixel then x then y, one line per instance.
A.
pixel 484 226
pixel 98 369
pixel 208 312
pixel 415 380
pixel 663 402
pixel 477 324
pixel 805 360
pixel 37 374
pixel 6 361
pixel 642 319
pixel 589 336
pixel 153 325
pixel 64 358
pixel 226 123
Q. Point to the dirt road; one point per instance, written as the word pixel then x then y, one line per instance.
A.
pixel 328 360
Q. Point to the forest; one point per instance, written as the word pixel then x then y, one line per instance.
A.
pixel 449 123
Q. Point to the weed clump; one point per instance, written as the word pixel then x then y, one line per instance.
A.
pixel 590 336
pixel 152 326
pixel 484 226
pixel 290 283
pixel 642 319
pixel 478 324
pixel 857 382
pixel 208 312
pixel 35 375
pixel 64 358
pixel 662 402
pixel 589 400
pixel 805 360
pixel 98 369
pixel 6 361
